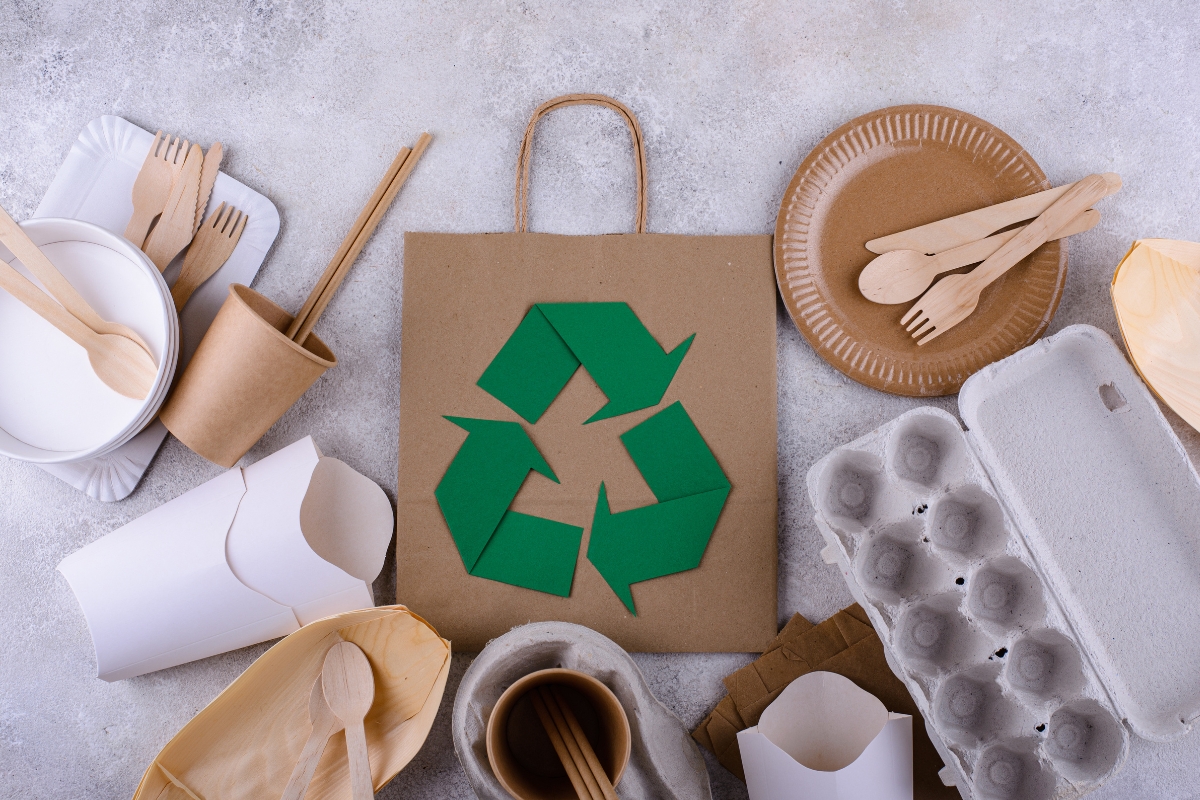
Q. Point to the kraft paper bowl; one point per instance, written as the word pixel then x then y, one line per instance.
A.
pixel 245 374
pixel 520 752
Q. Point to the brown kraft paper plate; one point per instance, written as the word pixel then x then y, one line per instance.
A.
pixel 885 172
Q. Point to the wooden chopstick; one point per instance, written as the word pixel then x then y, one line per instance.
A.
pixel 560 746
pixel 589 755
pixel 410 163
pixel 348 242
pixel 576 751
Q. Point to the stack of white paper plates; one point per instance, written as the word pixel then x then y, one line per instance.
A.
pixel 53 408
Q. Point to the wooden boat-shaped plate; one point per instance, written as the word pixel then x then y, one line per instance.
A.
pixel 245 743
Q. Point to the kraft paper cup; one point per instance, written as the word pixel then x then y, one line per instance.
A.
pixel 520 752
pixel 244 376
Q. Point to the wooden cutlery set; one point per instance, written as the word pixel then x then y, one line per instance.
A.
pixel 910 260
pixel 173 187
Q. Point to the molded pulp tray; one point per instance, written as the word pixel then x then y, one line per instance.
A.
pixel 1034 579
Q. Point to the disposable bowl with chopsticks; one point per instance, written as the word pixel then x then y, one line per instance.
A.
pixel 256 360
pixel 53 406
pixel 527 758
pixel 245 743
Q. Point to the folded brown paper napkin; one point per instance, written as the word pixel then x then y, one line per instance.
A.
pixel 846 644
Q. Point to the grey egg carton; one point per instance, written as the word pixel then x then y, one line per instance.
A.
pixel 981 607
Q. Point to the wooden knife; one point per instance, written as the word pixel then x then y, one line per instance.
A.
pixel 178 220
pixel 208 176
pixel 972 226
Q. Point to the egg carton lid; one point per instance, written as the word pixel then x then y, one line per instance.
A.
pixel 1108 504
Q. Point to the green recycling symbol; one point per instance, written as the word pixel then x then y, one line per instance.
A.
pixel 633 371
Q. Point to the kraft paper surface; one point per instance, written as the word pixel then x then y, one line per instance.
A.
pixel 464 297
pixel 845 644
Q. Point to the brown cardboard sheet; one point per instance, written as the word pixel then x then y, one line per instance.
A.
pixel 846 644
pixel 464 295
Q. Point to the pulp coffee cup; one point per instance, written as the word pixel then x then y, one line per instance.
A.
pixel 520 751
pixel 244 375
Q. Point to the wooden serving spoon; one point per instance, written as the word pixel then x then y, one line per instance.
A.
pixel 349 687
pixel 901 275
pixel 324 725
pixel 118 361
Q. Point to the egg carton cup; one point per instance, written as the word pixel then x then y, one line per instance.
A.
pixel 1030 577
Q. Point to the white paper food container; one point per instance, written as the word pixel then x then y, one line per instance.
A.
pixel 1034 579
pixel 254 554
pixel 824 738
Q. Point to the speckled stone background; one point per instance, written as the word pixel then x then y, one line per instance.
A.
pixel 312 100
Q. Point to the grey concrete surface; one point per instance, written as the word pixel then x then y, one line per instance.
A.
pixel 312 99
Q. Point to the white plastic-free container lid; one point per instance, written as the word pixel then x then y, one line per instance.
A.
pixel 1108 503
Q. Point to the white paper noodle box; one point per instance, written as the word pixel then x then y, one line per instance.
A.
pixel 824 738
pixel 253 554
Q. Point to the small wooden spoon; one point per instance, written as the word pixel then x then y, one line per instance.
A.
pixel 124 367
pixel 349 687
pixel 324 725
pixel 902 275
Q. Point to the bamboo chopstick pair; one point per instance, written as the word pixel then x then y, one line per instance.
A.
pixel 578 758
pixel 401 167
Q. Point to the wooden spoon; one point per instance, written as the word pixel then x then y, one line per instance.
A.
pixel 324 725
pixel 349 687
pixel 124 367
pixel 15 239
pixel 901 275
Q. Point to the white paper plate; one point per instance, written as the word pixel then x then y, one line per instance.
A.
pixel 53 407
pixel 95 184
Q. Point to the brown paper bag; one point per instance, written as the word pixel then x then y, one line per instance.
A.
pixel 465 295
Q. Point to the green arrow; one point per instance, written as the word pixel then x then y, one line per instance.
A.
pixel 627 363
pixel 532 552
pixel 483 479
pixel 652 541
pixel 672 535
pixel 474 495
pixel 531 369
pixel 625 360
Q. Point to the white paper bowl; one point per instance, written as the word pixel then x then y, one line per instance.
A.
pixel 53 408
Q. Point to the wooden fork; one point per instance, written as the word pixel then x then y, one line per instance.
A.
pixel 953 298
pixel 211 248
pixel 153 185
